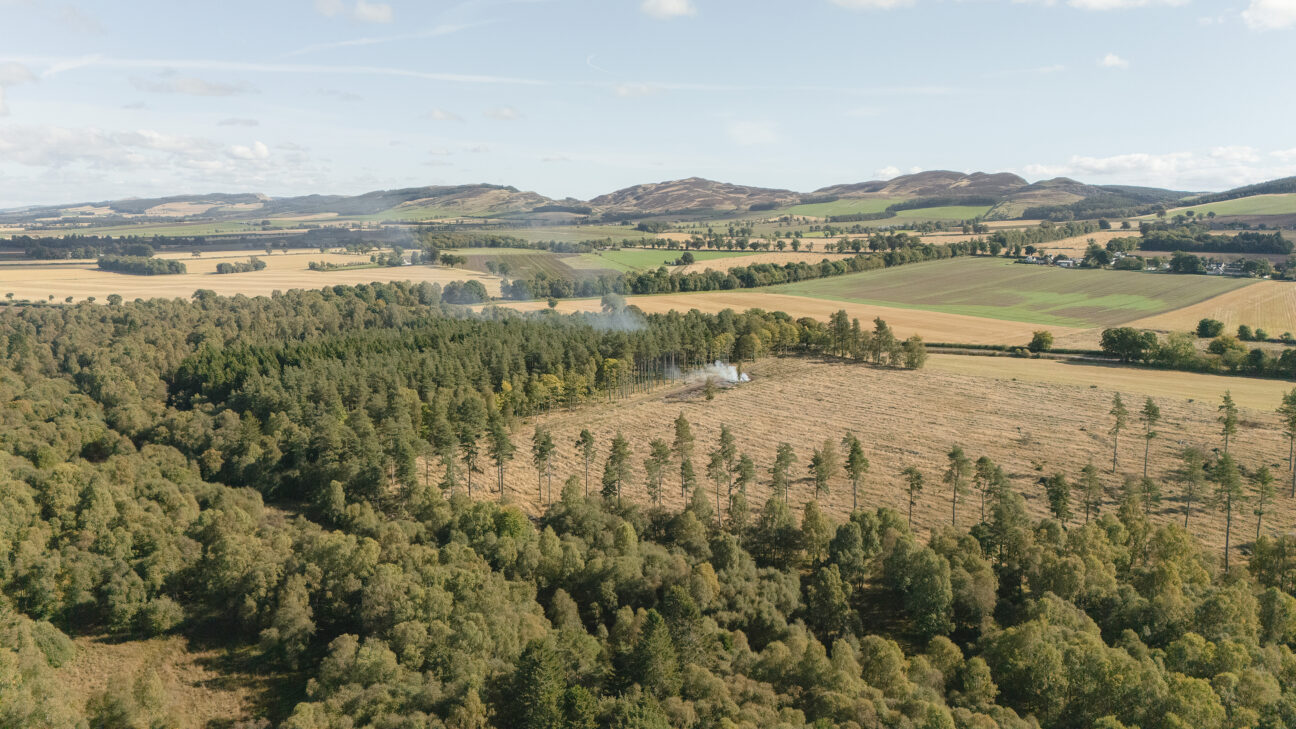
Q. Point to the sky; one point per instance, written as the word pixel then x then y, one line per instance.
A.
pixel 103 100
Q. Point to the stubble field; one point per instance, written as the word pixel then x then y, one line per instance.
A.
pixel 1032 429
pixel 1269 305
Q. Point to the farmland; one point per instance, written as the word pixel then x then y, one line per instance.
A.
pixel 1282 204
pixel 846 206
pixel 1269 305
pixel 998 289
pixel 638 259
pixel 907 418
pixel 38 281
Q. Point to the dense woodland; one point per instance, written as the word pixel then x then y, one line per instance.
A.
pixel 258 478
pixel 142 265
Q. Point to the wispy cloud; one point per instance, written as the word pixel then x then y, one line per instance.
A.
pixel 363 11
pixel 188 85
pixel 1216 168
pixel 237 122
pixel 752 132
pixel 666 9
pixel 442 115
pixel 439 30
pixel 1111 60
pixel 503 113
pixel 1270 14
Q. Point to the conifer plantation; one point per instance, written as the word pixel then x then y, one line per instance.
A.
pixel 318 482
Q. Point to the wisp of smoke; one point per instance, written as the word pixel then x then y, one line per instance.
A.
pixel 718 371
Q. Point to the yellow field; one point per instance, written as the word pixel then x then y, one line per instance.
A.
pixel 931 326
pixel 1268 305
pixel 1032 426
pixel 1076 246
pixel 37 280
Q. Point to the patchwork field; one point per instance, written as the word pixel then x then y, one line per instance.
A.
pixel 930 325
pixel 999 289
pixel 1076 246
pixel 1284 204
pixel 724 264
pixel 639 259
pixel 906 418
pixel 846 206
pixel 37 281
pixel 1269 305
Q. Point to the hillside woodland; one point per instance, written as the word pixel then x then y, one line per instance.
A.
pixel 292 474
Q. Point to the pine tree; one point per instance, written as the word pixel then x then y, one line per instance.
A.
pixel 617 467
pixel 956 476
pixel 471 422
pixel 1059 497
pixel 659 454
pixel 500 445
pixel 856 466
pixel 1228 496
pixel 1262 481
pixel 683 448
pixel 585 444
pixel 1150 416
pixel 1192 478
pixel 1120 417
pixel 822 464
pixel 542 449
pixel 1228 419
pixel 913 486
pixel 784 458
pixel 1288 412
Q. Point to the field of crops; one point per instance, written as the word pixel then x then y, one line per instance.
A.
pixel 999 289
pixel 1254 205
pixel 1268 305
pixel 949 212
pixel 907 418
pixel 639 259
pixel 845 206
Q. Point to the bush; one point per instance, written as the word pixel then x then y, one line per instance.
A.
pixel 1041 342
pixel 1209 328
pixel 1245 334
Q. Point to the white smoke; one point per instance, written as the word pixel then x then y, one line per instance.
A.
pixel 719 372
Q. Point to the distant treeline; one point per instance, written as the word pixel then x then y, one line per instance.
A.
pixel 1197 239
pixel 49 248
pixel 1116 202
pixel 919 203
pixel 435 241
pixel 251 264
pixel 1272 187
pixel 142 266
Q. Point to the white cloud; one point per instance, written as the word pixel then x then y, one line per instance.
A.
pixel 504 113
pixel 443 115
pixel 873 4
pixel 664 9
pixel 4 108
pixel 863 112
pixel 238 122
pixel 12 74
pixel 329 8
pixel 887 173
pixel 258 150
pixel 1270 14
pixel 188 85
pixel 635 89
pixel 373 12
pixel 1121 4
pixel 1216 169
pixel 750 132
pixel 1111 60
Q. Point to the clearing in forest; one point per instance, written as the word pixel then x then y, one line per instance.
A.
pixel 1000 289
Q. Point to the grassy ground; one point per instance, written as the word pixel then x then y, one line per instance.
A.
pixel 847 206
pixel 637 259
pixel 999 289
pixel 1254 205
pixel 950 212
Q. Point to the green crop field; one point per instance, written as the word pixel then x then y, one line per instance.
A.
pixel 848 206
pixel 949 212
pixel 999 289
pixel 522 263
pixel 638 259
pixel 1254 205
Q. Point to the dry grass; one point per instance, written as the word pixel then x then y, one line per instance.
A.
pixel 1031 428
pixel 931 326
pixel 37 280
pixel 197 694
pixel 1076 246
pixel 1269 305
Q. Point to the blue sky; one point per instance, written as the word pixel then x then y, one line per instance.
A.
pixel 102 100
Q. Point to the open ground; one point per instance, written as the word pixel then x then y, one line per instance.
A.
pixel 999 289
pixel 1031 428
pixel 1269 305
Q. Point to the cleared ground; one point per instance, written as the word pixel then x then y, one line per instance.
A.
pixel 39 281
pixel 1031 428
pixel 1000 289
pixel 931 326
pixel 1269 305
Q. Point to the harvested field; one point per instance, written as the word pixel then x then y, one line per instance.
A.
pixel 724 264
pixel 1077 245
pixel 930 325
pixel 1269 305
pixel 1000 289
pixel 36 281
pixel 905 418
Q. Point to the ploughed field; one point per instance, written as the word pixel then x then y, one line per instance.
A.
pixel 1032 427
pixel 999 289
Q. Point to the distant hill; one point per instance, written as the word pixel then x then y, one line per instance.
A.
pixel 1008 196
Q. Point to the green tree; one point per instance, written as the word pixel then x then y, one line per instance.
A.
pixel 1191 475
pixel 542 450
pixel 1228 496
pixel 500 446
pixel 784 459
pixel 1120 417
pixel 957 473
pixel 683 447
pixel 1288 412
pixel 1058 491
pixel 1228 419
pixel 1041 341
pixel 471 417
pixel 1265 488
pixel 659 455
pixel 535 696
pixel 827 605
pixel 857 465
pixel 585 444
pixel 1150 415
pixel 1091 490
pixel 913 487
pixel 823 462
pixel 617 467
pixel 653 663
